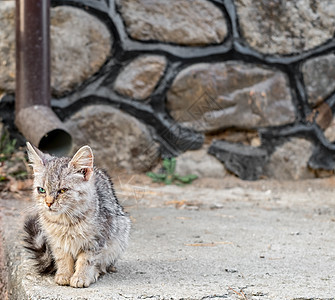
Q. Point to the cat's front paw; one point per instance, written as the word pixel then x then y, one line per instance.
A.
pixel 63 279
pixel 80 281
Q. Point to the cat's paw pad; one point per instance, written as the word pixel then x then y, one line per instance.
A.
pixel 80 281
pixel 62 279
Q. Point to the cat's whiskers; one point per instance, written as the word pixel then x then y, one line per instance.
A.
pixel 29 209
pixel 73 215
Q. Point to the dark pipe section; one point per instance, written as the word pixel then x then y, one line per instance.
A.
pixel 34 116
pixel 32 53
pixel 55 141
pixel 40 125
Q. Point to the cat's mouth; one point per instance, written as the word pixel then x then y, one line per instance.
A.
pixel 52 209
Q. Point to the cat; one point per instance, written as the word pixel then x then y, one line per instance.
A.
pixel 79 229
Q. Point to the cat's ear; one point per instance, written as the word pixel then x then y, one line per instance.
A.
pixel 82 162
pixel 36 157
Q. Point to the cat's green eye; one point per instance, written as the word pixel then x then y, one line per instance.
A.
pixel 41 190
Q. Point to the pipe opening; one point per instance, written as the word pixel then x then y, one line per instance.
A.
pixel 41 126
pixel 56 142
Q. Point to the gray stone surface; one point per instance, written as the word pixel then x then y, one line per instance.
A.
pixel 139 78
pixel 80 44
pixel 7 46
pixel 286 27
pixel 290 161
pixel 273 243
pixel 209 97
pixel 104 128
pixel 200 163
pixel 319 74
pixel 183 22
pixel 246 162
pixel 2 127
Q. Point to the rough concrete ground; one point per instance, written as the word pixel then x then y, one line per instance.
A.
pixel 211 240
pixel 3 270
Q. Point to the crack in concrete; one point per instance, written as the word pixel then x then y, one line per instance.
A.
pixel 215 297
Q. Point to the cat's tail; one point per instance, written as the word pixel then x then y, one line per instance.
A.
pixel 36 243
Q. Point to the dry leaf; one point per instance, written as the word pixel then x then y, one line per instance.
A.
pixel 15 186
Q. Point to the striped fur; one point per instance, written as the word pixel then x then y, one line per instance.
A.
pixel 80 229
pixel 36 243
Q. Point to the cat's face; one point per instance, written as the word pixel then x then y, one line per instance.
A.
pixel 61 184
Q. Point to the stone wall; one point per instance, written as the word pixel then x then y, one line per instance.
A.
pixel 249 82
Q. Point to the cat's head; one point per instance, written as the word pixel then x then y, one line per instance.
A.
pixel 61 184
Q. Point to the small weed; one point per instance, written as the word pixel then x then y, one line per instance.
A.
pixel 20 175
pixel 13 162
pixel 168 176
pixel 7 146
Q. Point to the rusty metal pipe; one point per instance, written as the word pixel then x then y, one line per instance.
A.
pixel 33 114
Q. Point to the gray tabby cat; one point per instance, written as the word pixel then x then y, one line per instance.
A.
pixel 80 229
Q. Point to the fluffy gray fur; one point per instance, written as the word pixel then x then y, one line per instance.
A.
pixel 80 229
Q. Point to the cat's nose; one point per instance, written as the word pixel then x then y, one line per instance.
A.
pixel 49 201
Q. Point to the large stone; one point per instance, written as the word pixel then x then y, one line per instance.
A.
pixel 286 27
pixel 233 135
pixel 245 161
pixel 184 22
pixel 290 161
pixel 2 127
pixel 209 97
pixel 319 74
pixel 80 44
pixel 119 141
pixel 139 78
pixel 321 115
pixel 200 163
pixel 330 132
pixel 7 45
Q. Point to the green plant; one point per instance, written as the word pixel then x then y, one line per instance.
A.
pixel 7 146
pixel 13 164
pixel 168 176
